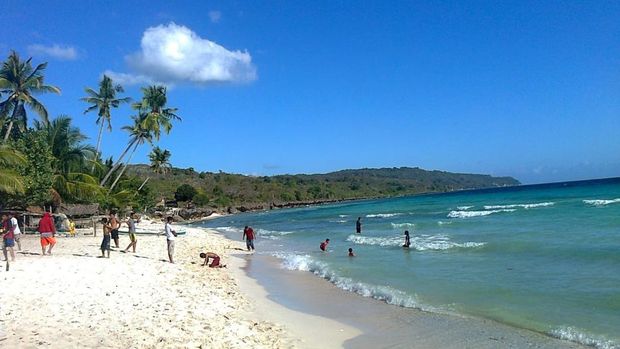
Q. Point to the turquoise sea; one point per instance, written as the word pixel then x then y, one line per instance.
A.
pixel 542 257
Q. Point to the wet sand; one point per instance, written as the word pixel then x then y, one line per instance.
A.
pixel 378 324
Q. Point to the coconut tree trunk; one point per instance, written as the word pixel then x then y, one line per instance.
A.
pixel 117 164
pixel 143 183
pixel 98 145
pixel 8 130
pixel 124 167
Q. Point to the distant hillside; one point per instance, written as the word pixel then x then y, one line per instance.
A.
pixel 234 190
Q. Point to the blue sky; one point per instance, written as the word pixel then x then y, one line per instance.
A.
pixel 526 89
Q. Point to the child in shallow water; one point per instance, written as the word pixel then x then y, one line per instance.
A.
pixel 351 254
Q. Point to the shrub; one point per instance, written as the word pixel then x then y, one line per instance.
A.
pixel 185 192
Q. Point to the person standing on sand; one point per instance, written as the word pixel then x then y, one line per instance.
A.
pixel 8 238
pixel 248 235
pixel 215 263
pixel 323 245
pixel 358 225
pixel 170 237
pixel 131 225
pixel 47 231
pixel 16 231
pixel 114 225
pixel 105 243
pixel 407 240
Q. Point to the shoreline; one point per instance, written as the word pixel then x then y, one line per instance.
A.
pixel 388 325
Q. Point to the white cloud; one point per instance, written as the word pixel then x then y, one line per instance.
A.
pixel 65 53
pixel 175 54
pixel 215 16
pixel 128 79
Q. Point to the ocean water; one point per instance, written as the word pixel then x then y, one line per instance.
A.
pixel 544 257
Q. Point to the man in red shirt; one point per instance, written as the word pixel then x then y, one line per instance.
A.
pixel 47 231
pixel 248 235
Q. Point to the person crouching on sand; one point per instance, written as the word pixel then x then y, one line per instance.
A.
pixel 105 243
pixel 47 231
pixel 407 240
pixel 323 245
pixel 215 262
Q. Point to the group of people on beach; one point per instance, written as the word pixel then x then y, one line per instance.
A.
pixel 111 226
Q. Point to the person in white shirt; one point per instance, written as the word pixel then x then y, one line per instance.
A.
pixel 16 231
pixel 170 237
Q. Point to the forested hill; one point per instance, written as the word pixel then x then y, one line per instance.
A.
pixel 226 190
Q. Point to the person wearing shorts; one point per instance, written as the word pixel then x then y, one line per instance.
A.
pixel 105 243
pixel 47 229
pixel 170 237
pixel 8 238
pixel 131 226
pixel 114 225
pixel 215 260
pixel 16 231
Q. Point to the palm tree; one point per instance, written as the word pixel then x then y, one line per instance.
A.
pixel 10 181
pixel 160 160
pixel 153 115
pixel 138 135
pixel 104 101
pixel 157 115
pixel 19 80
pixel 71 157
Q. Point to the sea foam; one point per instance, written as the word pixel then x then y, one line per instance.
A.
pixel 470 214
pixel 402 225
pixel 382 215
pixel 419 243
pixel 601 202
pixel 384 293
pixel 575 335
pixel 525 206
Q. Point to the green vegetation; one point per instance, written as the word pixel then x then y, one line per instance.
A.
pixel 50 163
pixel 223 189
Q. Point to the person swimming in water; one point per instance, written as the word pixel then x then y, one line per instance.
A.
pixel 407 240
pixel 351 254
pixel 324 244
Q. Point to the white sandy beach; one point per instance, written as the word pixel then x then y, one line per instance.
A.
pixel 75 300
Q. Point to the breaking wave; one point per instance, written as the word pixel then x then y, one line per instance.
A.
pixel 463 208
pixel 271 234
pixel 382 215
pixel 387 294
pixel 601 202
pixel 575 335
pixel 525 206
pixel 402 225
pixel 230 230
pixel 419 243
pixel 470 214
